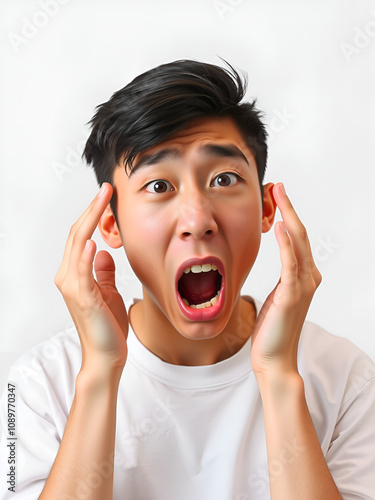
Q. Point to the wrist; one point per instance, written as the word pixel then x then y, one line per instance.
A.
pixel 94 378
pixel 280 386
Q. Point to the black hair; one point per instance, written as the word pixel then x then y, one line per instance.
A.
pixel 161 102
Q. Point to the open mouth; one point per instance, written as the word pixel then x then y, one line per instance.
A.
pixel 200 285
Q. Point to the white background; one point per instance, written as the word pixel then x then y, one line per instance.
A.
pixel 309 63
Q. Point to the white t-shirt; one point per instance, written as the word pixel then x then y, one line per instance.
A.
pixel 194 433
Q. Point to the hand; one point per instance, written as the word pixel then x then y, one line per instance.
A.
pixel 96 306
pixel 277 329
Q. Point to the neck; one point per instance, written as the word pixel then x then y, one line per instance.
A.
pixel 159 336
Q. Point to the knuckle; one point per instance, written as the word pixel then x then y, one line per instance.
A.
pixel 310 286
pixel 77 237
pixel 73 229
pixel 305 268
pixel 293 267
pixel 66 290
pixel 318 278
pixel 303 232
pixel 76 229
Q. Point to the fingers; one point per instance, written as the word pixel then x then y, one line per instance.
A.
pixel 81 231
pixel 295 249
pixel 88 225
pixel 289 269
pixel 86 278
pixel 294 226
pixel 105 270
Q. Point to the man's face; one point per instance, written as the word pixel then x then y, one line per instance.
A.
pixel 190 219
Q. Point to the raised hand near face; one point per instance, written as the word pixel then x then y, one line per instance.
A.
pixel 96 306
pixel 277 330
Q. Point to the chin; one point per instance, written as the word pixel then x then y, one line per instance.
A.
pixel 202 330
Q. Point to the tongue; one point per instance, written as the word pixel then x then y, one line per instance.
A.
pixel 197 288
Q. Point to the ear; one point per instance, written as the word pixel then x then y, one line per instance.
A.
pixel 109 230
pixel 269 207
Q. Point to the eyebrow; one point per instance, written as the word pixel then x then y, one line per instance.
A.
pixel 154 158
pixel 214 150
pixel 223 151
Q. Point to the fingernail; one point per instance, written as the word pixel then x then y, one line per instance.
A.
pixel 282 188
pixel 101 191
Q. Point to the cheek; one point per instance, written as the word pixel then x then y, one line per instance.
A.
pixel 141 227
pixel 144 239
pixel 245 237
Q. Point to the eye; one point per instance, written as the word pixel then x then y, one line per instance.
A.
pixel 158 186
pixel 225 180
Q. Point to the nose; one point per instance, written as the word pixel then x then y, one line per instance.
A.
pixel 195 216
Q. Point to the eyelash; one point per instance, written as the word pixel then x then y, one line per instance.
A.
pixel 155 182
pixel 170 187
pixel 238 177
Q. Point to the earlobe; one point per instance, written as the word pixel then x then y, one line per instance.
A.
pixel 109 230
pixel 269 207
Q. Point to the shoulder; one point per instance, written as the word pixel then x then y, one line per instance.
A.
pixel 50 361
pixel 335 371
pixel 333 367
pixel 339 383
pixel 43 380
pixel 321 350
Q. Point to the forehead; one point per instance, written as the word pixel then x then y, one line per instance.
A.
pixel 198 134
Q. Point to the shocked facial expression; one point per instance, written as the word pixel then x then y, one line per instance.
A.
pixel 190 218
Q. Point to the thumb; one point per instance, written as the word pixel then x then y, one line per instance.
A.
pixel 105 270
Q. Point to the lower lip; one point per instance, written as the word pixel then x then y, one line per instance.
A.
pixel 204 314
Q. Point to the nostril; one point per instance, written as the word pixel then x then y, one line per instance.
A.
pixel 186 234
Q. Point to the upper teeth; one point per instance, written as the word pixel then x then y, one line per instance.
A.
pixel 204 268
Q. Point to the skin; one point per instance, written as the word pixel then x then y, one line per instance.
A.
pixel 159 232
pixel 195 217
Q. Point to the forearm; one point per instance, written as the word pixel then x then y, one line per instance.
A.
pixel 296 464
pixel 83 467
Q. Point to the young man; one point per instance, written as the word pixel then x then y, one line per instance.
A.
pixel 193 392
